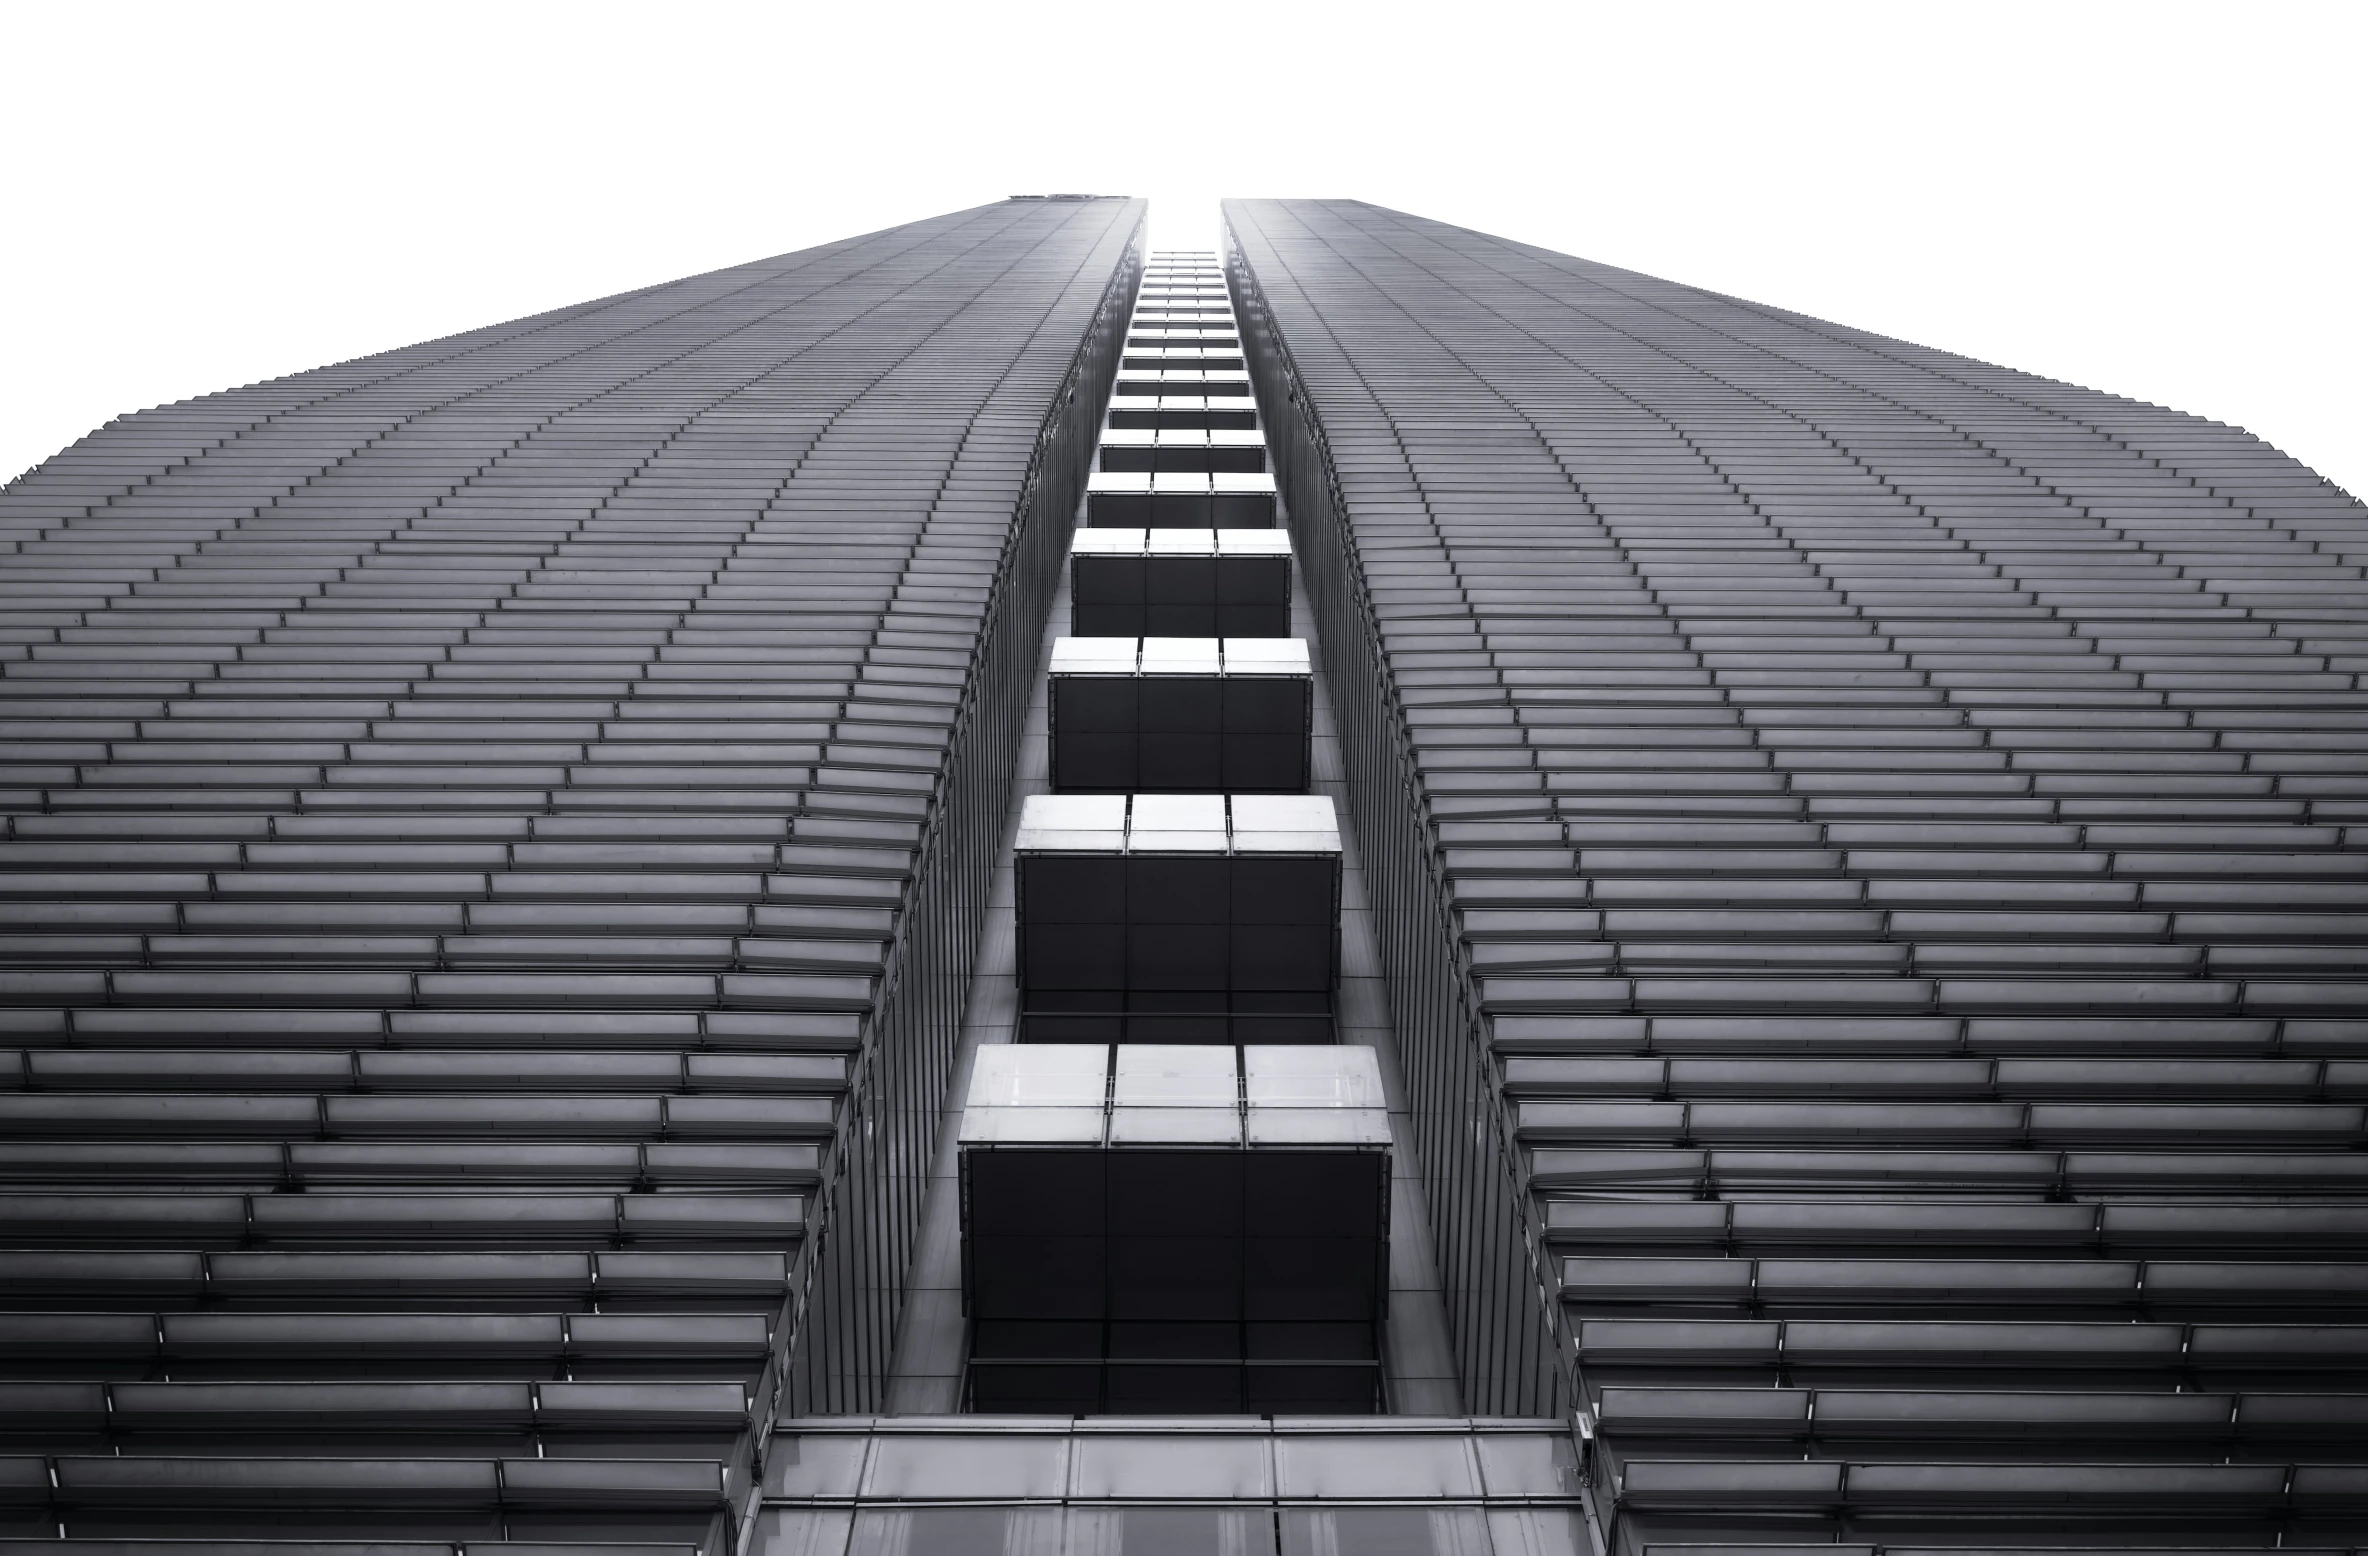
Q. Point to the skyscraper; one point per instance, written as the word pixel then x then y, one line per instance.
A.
pixel 1625 922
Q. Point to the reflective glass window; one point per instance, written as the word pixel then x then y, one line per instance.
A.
pixel 1374 1465
pixel 979 1465
pixel 816 1465
pixel 957 1531
pixel 1170 1531
pixel 1384 1531
pixel 1235 1467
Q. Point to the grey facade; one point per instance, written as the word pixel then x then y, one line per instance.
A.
pixel 497 833
pixel 1868 854
pixel 1850 865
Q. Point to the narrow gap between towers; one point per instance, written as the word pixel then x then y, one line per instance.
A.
pixel 1172 1174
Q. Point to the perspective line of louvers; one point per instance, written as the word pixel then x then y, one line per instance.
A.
pixel 495 836
pixel 1889 831
pixel 1866 852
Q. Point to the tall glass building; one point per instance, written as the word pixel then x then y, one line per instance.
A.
pixel 1380 893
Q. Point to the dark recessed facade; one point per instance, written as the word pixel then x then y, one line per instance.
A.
pixel 1686 932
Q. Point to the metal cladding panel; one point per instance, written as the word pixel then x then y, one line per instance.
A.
pixel 1868 850
pixel 495 835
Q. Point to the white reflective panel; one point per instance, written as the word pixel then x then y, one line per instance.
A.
pixel 1122 481
pixel 1318 1126
pixel 1284 823
pixel 1108 542
pixel 1175 1075
pixel 1254 542
pixel 1031 1126
pixel 1342 1075
pixel 1175 1126
pixel 1267 656
pixel 1187 483
pixel 1141 842
pixel 1184 542
pixel 1093 656
pixel 1073 822
pixel 1528 1464
pixel 1039 1075
pixel 1287 842
pixel 1174 814
pixel 1283 813
pixel 1241 480
pixel 1180 656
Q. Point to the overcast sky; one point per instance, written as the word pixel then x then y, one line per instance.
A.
pixel 2162 200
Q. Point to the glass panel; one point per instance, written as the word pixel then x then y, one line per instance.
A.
pixel 1285 813
pixel 1039 1075
pixel 1172 1075
pixel 1319 1126
pixel 1170 1531
pixel 1095 821
pixel 1537 1531
pixel 1375 1465
pixel 823 1465
pixel 1384 1531
pixel 1528 1464
pixel 1232 1467
pixel 1312 1077
pixel 1180 822
pixel 1094 656
pixel 1171 1126
pixel 1032 1126
pixel 968 1466
pixel 958 1531
pixel 801 1531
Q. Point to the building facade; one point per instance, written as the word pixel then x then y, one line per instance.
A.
pixel 1627 922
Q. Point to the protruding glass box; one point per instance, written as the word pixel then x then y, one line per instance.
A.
pixel 1175 1230
pixel 1181 715
pixel 1210 383
pixel 1164 332
pixel 1198 449
pixel 1179 499
pixel 1182 410
pixel 1178 918
pixel 1166 358
pixel 1228 583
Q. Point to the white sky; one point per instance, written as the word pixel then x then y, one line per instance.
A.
pixel 2164 200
